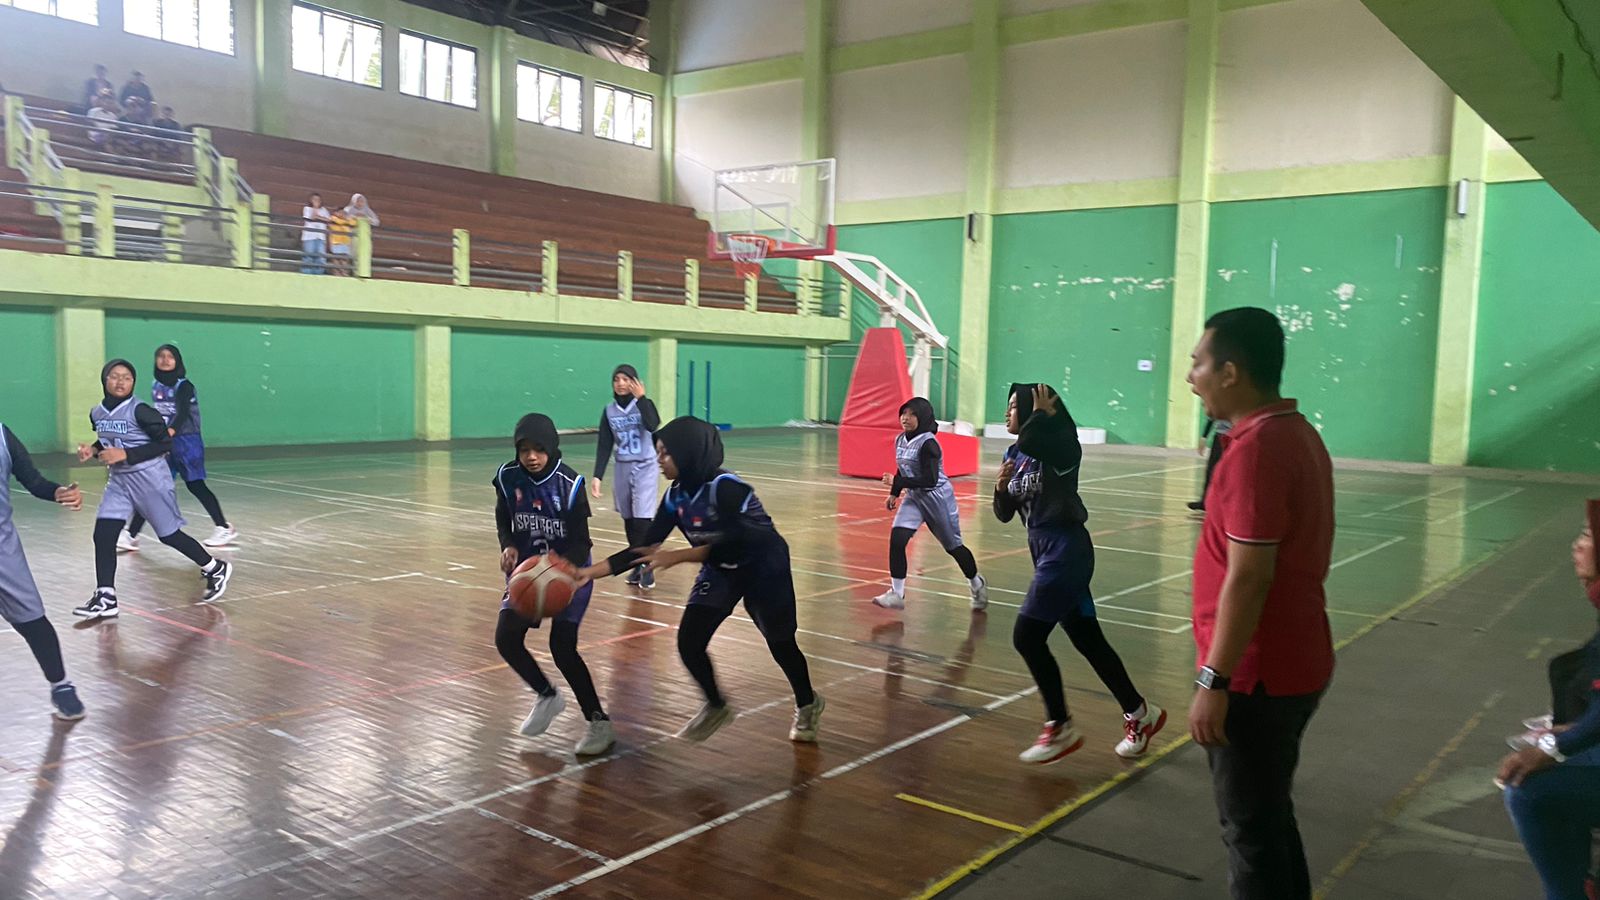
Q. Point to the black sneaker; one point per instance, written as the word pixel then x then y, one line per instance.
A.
pixel 1197 505
pixel 103 605
pixel 68 707
pixel 647 579
pixel 635 576
pixel 216 580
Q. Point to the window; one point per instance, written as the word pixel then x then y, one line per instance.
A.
pixel 622 115
pixel 336 45
pixel 207 24
pixel 85 11
pixel 438 70
pixel 549 97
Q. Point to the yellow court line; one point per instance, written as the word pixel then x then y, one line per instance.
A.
pixel 981 820
pixel 1067 809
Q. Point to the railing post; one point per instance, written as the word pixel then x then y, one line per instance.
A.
pixel 691 282
pixel 171 233
pixel 72 215
pixel 549 269
pixel 260 227
pixel 846 296
pixel 14 148
pixel 461 257
pixel 105 222
pixel 36 165
pixel 203 176
pixel 243 229
pixel 227 184
pixel 751 291
pixel 624 275
pixel 362 251
pixel 810 296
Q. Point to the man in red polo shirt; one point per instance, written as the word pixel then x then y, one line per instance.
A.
pixel 1260 622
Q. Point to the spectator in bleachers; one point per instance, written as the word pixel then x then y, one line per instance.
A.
pixel 94 87
pixel 167 121
pixel 340 229
pixel 314 236
pixel 136 88
pixel 358 208
pixel 103 108
pixel 170 131
pixel 134 132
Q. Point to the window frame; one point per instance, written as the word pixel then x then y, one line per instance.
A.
pixel 541 69
pixel 635 95
pixel 53 10
pixel 449 68
pixel 233 28
pixel 324 12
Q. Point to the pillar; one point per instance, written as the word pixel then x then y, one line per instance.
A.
pixel 80 353
pixel 983 64
pixel 432 343
pixel 1459 277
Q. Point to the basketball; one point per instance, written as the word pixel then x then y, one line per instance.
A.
pixel 542 586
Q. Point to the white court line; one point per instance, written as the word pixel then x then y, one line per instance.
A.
pixel 1476 506
pixel 1394 506
pixel 844 769
pixel 545 836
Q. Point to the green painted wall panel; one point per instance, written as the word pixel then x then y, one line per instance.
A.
pixel 1355 279
pixel 751 386
pixel 28 378
pixel 500 376
pixel 1080 298
pixel 1537 379
pixel 276 382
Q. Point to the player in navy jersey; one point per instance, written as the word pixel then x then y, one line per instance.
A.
pixel 1039 479
pixel 173 395
pixel 929 500
pixel 133 439
pixel 627 427
pixel 741 556
pixel 540 508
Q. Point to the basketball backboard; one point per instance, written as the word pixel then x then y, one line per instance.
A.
pixel 785 210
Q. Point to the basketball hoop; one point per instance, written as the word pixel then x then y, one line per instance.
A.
pixel 748 252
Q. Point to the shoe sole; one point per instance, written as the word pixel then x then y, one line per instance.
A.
pixel 108 614
pixel 121 549
pixel 715 726
pixel 66 718
pixel 579 751
pixel 1066 751
pixel 561 706
pixel 876 602
pixel 222 585
pixel 816 724
pixel 1161 722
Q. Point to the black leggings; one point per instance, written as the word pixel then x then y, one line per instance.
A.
pixel 202 493
pixel 105 550
pixel 900 537
pixel 1031 638
pixel 510 636
pixel 635 530
pixel 701 621
pixel 1214 457
pixel 46 647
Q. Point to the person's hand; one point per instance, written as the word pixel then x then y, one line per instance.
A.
pixel 1043 400
pixel 659 560
pixel 1208 718
pixel 1519 765
pixel 70 497
pixel 887 479
pixel 587 574
pixel 85 452
pixel 1008 468
pixel 508 560
pixel 1200 449
pixel 892 502
pixel 594 488
pixel 635 387
pixel 113 455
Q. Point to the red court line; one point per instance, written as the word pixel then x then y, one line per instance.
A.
pixel 363 682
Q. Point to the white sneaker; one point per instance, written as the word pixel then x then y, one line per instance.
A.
pixel 1540 723
pixel 980 594
pixel 222 536
pixel 1056 741
pixel 806 719
pixel 1136 733
pixel 890 600
pixel 544 712
pixel 127 543
pixel 707 722
pixel 597 740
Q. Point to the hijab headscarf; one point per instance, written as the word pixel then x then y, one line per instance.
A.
pixel 178 371
pixel 1592 509
pixel 1023 391
pixel 923 410
pixel 695 447
pixel 108 401
pixel 540 432
pixel 358 208
pixel 631 372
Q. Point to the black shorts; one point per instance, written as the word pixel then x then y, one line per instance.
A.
pixel 766 587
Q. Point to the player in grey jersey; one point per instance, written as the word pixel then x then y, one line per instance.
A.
pixel 627 428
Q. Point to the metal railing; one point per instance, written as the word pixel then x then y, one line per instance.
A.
pixel 68 208
pixel 119 147
pixel 165 231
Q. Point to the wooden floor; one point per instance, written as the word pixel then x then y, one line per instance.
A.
pixel 341 724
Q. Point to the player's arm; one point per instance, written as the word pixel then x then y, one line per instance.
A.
pixel 1005 505
pixel 649 415
pixel 577 521
pixel 660 528
pixel 185 404
pixel 154 427
pixel 26 473
pixel 1051 437
pixel 602 452
pixel 927 470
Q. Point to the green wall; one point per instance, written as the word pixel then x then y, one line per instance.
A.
pixel 1355 279
pixel 751 386
pixel 498 376
pixel 278 382
pixel 28 377
pixel 1536 389
pixel 1079 299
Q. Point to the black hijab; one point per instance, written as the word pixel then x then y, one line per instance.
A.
pixel 178 371
pixel 631 372
pixel 540 432
pixel 108 401
pixel 695 448
pixel 923 410
pixel 1024 394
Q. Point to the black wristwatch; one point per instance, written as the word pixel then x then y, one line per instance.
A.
pixel 1210 680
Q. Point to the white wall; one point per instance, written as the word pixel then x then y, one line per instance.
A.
pixel 722 32
pixel 741 127
pixel 865 20
pixel 1317 82
pixel 1097 107
pixel 901 130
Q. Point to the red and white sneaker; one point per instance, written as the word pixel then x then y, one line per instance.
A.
pixel 1056 741
pixel 1137 732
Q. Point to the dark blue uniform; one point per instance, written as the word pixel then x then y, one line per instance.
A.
pixel 188 457
pixel 541 515
pixel 1063 554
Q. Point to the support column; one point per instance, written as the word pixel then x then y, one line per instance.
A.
pixel 503 102
pixel 983 65
pixel 80 352
pixel 816 142
pixel 272 60
pixel 661 374
pixel 432 343
pixel 664 62
pixel 813 381
pixel 1459 277
pixel 1192 260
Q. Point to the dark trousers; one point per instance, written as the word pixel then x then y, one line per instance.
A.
pixel 1211 464
pixel 1252 779
pixel 1556 812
